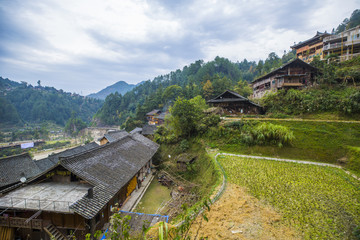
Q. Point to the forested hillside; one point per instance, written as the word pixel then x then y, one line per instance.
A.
pixel 199 78
pixel 349 23
pixel 25 103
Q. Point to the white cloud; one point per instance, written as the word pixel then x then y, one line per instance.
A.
pixel 137 40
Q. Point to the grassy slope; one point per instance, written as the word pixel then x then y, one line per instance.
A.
pixel 203 172
pixel 321 202
pixel 155 195
pixel 315 141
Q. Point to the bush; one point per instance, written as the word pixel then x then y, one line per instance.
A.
pixel 184 145
pixel 271 134
pixel 325 99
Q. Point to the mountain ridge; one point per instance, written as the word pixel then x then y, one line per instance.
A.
pixel 121 87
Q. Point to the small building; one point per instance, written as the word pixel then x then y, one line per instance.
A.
pixel 308 49
pixel 156 117
pixel 75 195
pixel 152 117
pixel 345 44
pixel 295 74
pixel 233 103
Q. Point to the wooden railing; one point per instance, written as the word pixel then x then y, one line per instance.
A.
pixel 21 222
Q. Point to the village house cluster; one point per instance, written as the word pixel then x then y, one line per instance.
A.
pixel 72 192
pixel 298 73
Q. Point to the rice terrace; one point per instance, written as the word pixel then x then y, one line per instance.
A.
pixel 320 202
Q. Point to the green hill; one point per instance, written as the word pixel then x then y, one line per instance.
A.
pixel 29 104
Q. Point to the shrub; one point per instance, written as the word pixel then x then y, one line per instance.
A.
pixel 184 145
pixel 268 133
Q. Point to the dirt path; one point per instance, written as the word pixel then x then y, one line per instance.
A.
pixel 237 215
pixel 290 119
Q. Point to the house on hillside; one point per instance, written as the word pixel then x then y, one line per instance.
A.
pixel 308 49
pixel 233 103
pixel 75 195
pixel 295 74
pixel 345 44
pixel 156 117
pixel 152 117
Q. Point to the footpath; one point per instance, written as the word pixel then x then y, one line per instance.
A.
pixel 290 120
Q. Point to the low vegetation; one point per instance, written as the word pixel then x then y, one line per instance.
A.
pixel 320 202
pixel 337 100
pixel 314 141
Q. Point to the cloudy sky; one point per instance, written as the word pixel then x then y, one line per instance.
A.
pixel 85 45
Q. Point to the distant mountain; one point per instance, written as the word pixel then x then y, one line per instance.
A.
pixel 120 87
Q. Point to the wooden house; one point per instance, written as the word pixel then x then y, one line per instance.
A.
pixel 233 103
pixel 74 196
pixel 156 117
pixel 152 117
pixel 295 74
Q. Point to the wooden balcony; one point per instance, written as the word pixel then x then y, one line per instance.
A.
pixel 289 84
pixel 21 222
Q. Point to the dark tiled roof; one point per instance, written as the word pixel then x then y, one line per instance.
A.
pixel 52 160
pixel 295 61
pixel 136 130
pixel 144 140
pixel 115 135
pixel 153 112
pixel 162 116
pixel 231 96
pixel 148 129
pixel 45 164
pixel 15 167
pixel 109 168
pixel 90 145
pixel 317 37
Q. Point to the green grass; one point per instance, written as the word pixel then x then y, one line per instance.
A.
pixel 320 202
pixel 155 195
pixel 315 141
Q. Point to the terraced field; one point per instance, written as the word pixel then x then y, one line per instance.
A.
pixel 319 202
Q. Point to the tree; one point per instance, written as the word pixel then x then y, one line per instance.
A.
pixel 221 84
pixel 208 89
pixel 74 125
pixel 243 88
pixel 185 116
pixel 171 93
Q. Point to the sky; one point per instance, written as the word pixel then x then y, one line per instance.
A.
pixel 83 46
